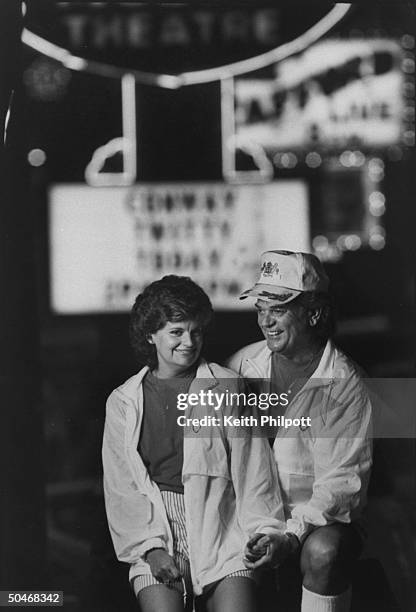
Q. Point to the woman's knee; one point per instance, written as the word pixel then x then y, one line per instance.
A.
pixel 233 593
pixel 160 598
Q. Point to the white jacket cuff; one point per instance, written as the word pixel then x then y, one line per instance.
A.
pixel 268 529
pixel 149 544
pixel 299 528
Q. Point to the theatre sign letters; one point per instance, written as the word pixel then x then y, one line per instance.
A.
pixel 189 42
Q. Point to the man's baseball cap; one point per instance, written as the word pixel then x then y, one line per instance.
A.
pixel 284 275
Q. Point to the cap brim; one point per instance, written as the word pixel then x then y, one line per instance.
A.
pixel 271 292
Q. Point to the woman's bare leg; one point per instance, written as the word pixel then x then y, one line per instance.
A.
pixel 160 598
pixel 233 594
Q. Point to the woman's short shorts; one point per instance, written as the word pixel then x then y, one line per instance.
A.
pixel 175 510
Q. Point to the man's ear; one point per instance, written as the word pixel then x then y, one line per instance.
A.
pixel 314 316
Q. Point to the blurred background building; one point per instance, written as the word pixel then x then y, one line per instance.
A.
pixel 148 138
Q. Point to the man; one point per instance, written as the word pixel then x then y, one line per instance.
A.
pixel 323 467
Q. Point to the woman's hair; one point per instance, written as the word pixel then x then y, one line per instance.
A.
pixel 172 298
pixel 311 300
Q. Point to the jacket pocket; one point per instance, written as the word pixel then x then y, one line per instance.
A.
pixel 205 456
pixel 296 488
pixel 132 509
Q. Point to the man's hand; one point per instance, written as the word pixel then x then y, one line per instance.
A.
pixel 162 566
pixel 269 550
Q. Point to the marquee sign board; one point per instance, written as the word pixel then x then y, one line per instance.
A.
pixel 181 40
pixel 108 243
pixel 338 94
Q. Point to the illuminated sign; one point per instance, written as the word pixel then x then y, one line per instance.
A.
pixel 108 243
pixel 174 44
pixel 349 206
pixel 337 94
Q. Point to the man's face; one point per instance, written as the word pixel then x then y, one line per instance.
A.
pixel 285 327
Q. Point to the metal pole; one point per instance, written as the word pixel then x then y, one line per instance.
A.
pixel 22 521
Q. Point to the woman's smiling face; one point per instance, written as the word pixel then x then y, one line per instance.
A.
pixel 178 346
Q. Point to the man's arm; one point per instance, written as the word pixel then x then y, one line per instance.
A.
pixel 254 475
pixel 342 456
pixel 234 362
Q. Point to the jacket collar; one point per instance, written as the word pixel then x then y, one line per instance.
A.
pixel 321 376
pixel 204 379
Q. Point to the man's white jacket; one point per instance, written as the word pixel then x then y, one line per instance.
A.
pixel 323 469
pixel 230 485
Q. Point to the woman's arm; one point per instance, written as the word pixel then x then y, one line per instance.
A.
pixel 135 525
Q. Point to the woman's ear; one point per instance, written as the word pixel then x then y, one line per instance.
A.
pixel 314 316
pixel 150 339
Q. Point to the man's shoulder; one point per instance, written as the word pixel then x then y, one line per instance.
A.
pixel 251 350
pixel 345 366
pixel 220 371
pixel 348 379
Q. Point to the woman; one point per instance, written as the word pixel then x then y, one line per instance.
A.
pixel 182 501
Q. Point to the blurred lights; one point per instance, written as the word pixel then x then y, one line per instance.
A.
pixel 359 158
pixel 313 159
pixel 341 242
pixel 407 41
pixel 408 65
pixel 327 253
pixel 377 202
pixel 373 234
pixel 409 88
pixel 376 163
pixel 285 160
pixel 378 230
pixel 376 169
pixel 344 159
pixel 352 159
pixel 349 242
pixel 377 242
pixel 352 242
pixel 409 113
pixel 320 243
pixel 24 8
pixel 36 157
pixel 409 138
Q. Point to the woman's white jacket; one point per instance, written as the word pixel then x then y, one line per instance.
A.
pixel 230 484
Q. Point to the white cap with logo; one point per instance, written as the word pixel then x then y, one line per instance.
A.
pixel 285 274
